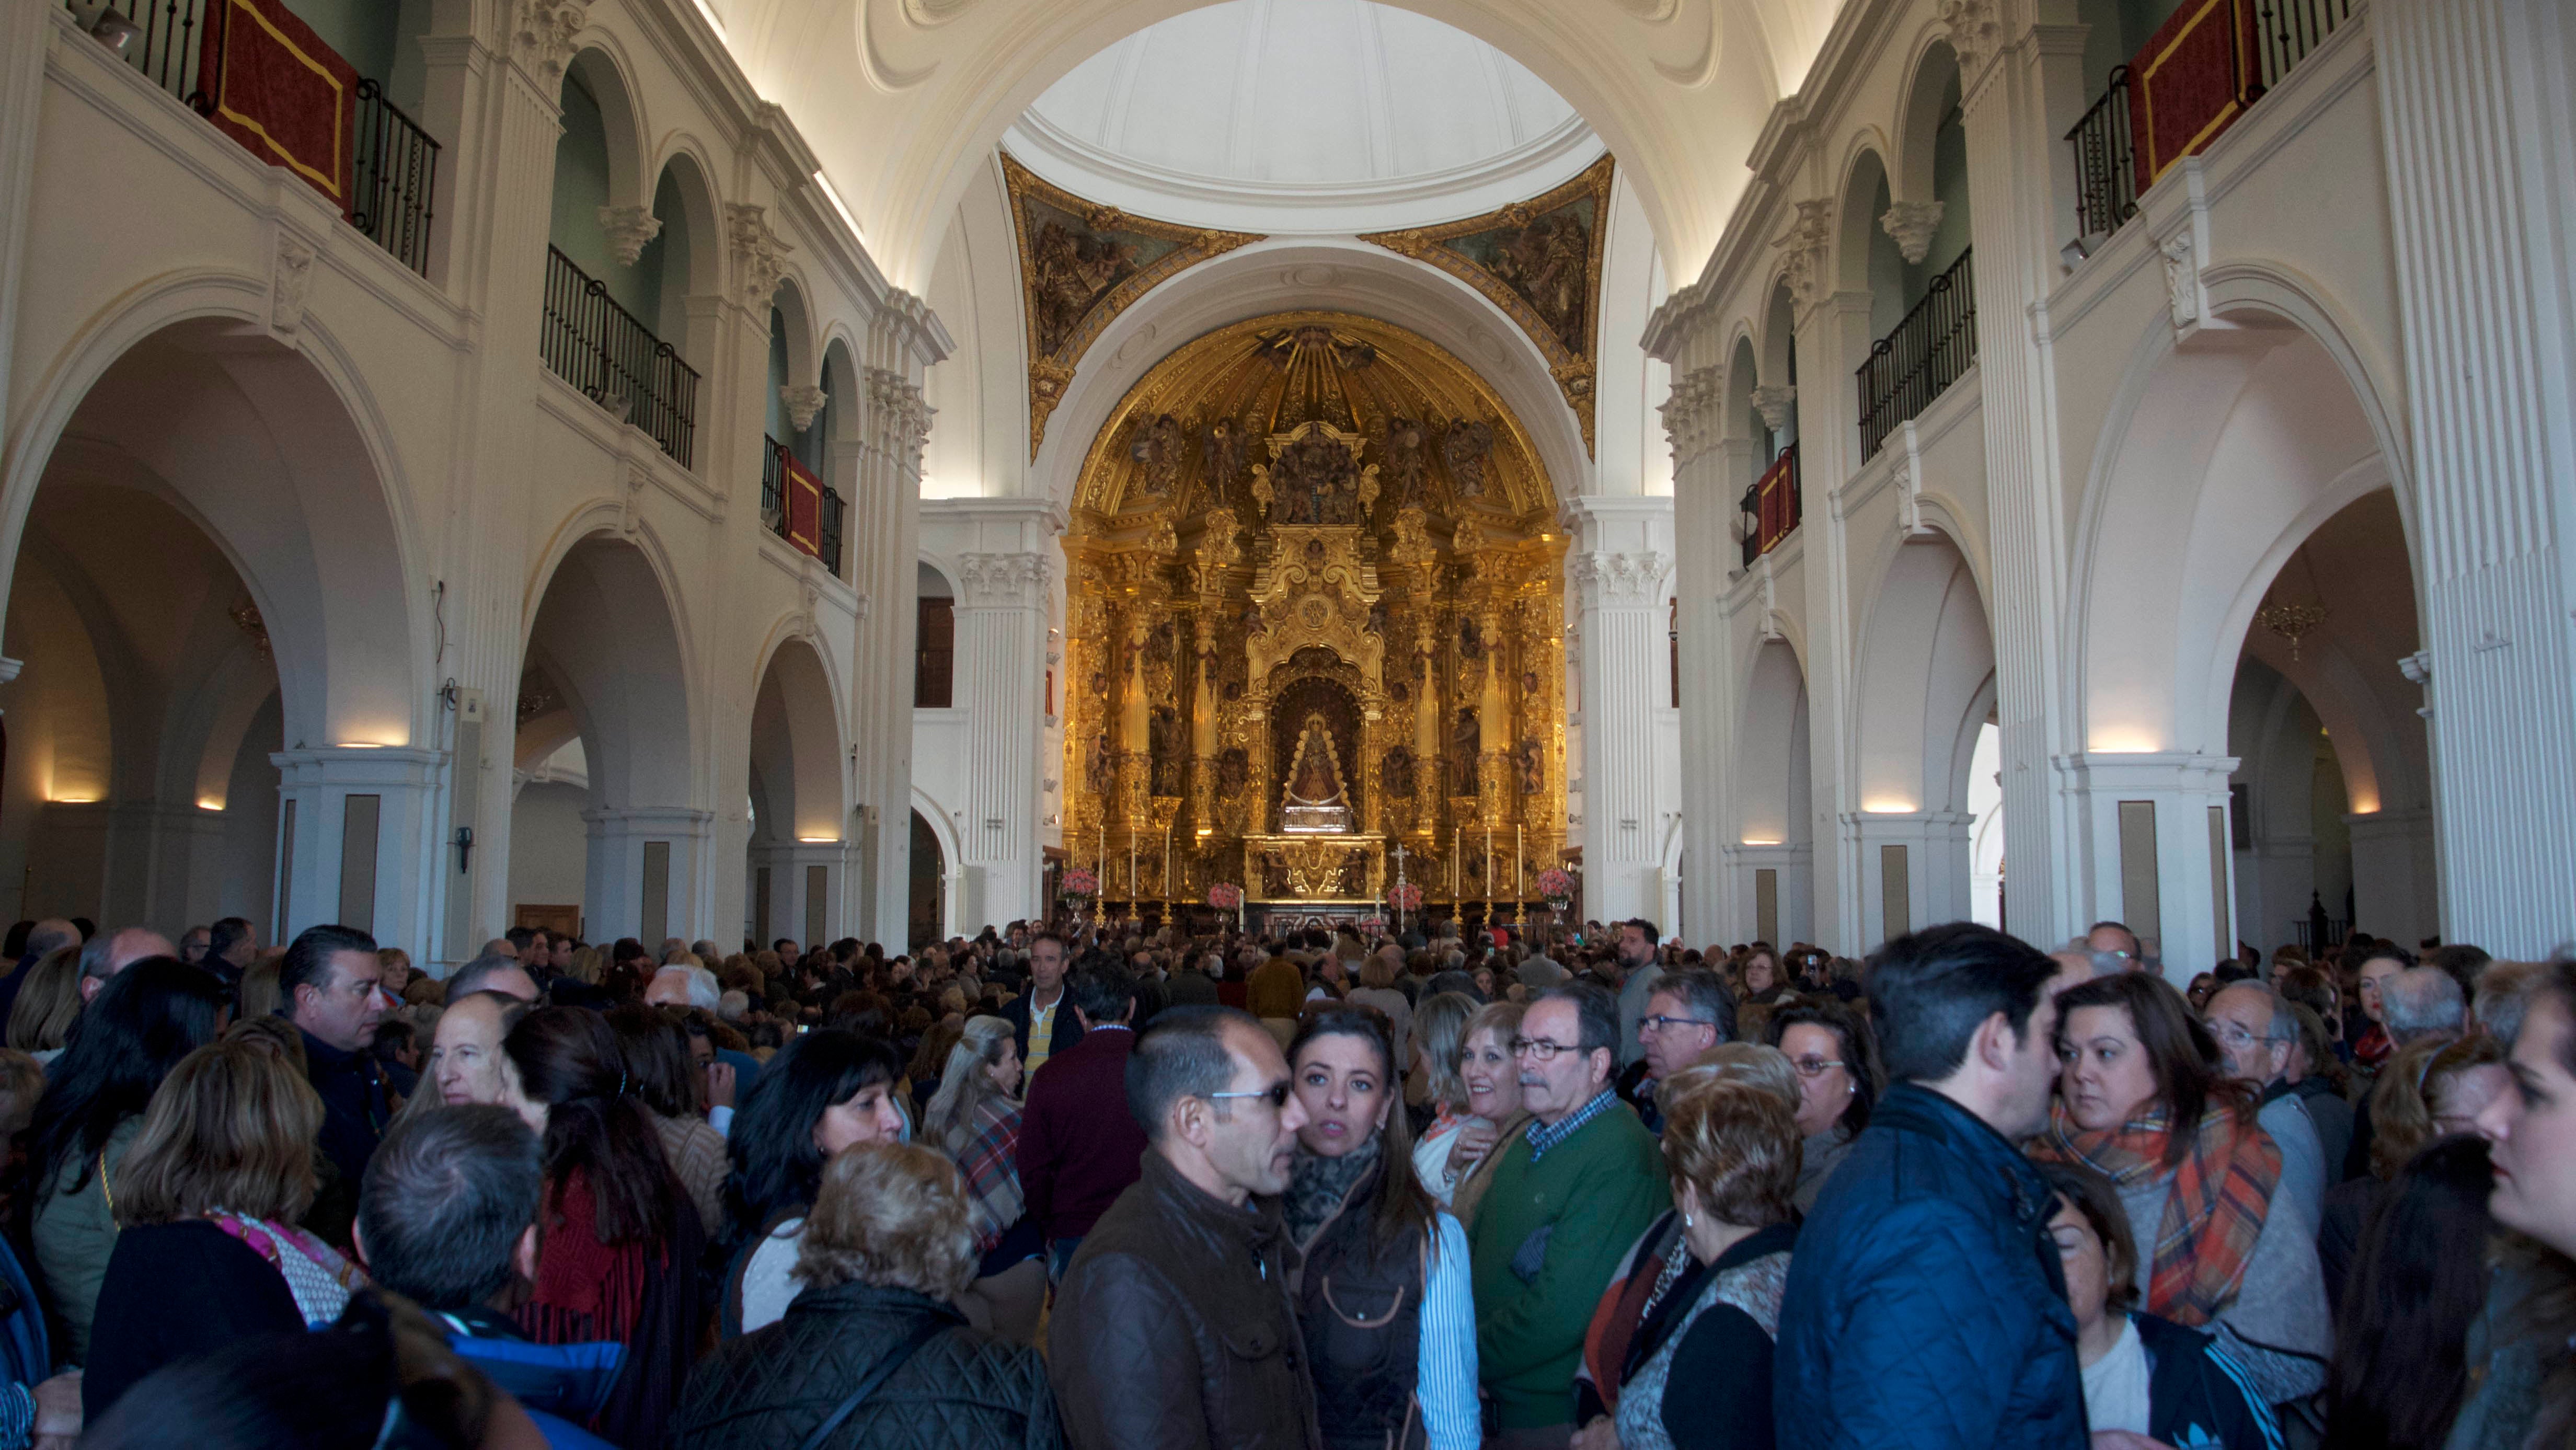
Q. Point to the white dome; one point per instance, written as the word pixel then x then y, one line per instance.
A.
pixel 1302 116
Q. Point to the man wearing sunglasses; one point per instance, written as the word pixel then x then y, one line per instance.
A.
pixel 1565 1201
pixel 1173 1326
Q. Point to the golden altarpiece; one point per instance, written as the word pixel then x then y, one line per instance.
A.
pixel 1314 616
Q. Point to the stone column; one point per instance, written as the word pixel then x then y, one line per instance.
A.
pixel 355 841
pixel 2153 851
pixel 2473 100
pixel 1833 335
pixel 2017 103
pixel 1617 570
pixel 1702 506
pixel 1001 648
pixel 884 545
pixel 497 206
pixel 796 909
pixel 647 870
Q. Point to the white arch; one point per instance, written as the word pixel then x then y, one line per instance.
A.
pixel 279 454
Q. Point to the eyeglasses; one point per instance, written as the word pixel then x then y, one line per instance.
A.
pixel 1661 1023
pixel 1539 1049
pixel 1277 1092
pixel 2237 1037
pixel 1814 1066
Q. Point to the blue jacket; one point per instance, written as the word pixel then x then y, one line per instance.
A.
pixel 560 1385
pixel 1926 1305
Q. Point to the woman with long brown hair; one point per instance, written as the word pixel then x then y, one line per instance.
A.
pixel 1383 1293
pixel 2144 1102
pixel 619 1241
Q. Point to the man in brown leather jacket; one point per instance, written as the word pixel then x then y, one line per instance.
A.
pixel 1173 1328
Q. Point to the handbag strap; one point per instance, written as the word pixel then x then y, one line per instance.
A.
pixel 903 1352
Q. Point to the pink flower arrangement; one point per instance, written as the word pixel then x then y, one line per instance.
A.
pixel 1080 881
pixel 1555 885
pixel 1225 896
pixel 1407 897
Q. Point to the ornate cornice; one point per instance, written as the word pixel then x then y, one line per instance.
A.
pixel 1514 258
pixel 1082 264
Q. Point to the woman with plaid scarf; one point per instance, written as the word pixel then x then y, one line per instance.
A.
pixel 2144 1102
pixel 975 1119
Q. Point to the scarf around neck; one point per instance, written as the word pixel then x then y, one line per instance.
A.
pixel 2213 1212
pixel 1319 1185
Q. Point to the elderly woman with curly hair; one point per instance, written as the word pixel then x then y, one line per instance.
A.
pixel 873 1351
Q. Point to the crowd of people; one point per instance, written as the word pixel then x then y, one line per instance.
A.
pixel 1299 1189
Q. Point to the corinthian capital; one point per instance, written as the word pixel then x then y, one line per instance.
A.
pixel 628 229
pixel 1601 577
pixel 543 35
pixel 759 256
pixel 1004 579
pixel 802 401
pixel 900 420
pixel 1912 224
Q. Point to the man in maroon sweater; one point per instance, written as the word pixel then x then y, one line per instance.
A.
pixel 1079 1145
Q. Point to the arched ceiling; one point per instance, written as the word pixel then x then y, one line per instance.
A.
pixel 902 99
pixel 1277 116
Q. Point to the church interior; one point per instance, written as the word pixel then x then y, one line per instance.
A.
pixel 1790 470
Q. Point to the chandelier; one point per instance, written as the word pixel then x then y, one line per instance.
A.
pixel 2291 621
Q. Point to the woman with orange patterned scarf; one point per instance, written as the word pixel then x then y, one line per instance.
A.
pixel 2143 1102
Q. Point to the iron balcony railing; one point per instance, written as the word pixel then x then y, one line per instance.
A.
pixel 2285 31
pixel 2266 39
pixel 597 346
pixel 776 466
pixel 773 485
pixel 1932 348
pixel 394 163
pixel 828 531
pixel 396 176
pixel 2106 161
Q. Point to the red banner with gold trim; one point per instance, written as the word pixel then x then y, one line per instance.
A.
pixel 272 85
pixel 2190 81
pixel 804 507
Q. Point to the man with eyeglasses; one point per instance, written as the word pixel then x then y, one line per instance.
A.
pixel 2256 1033
pixel 1174 1326
pixel 1689 1012
pixel 1565 1200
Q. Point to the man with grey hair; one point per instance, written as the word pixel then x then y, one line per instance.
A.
pixel 2421 1001
pixel 111 952
pixel 491 972
pixel 1564 1201
pixel 2256 1034
pixel 684 986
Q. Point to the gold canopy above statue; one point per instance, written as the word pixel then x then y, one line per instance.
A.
pixel 1314 613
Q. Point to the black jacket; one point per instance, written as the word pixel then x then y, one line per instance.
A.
pixel 963 1390
pixel 1068 1030
pixel 173 1291
pixel 2197 1394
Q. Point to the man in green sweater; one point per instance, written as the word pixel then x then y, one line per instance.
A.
pixel 1566 1200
